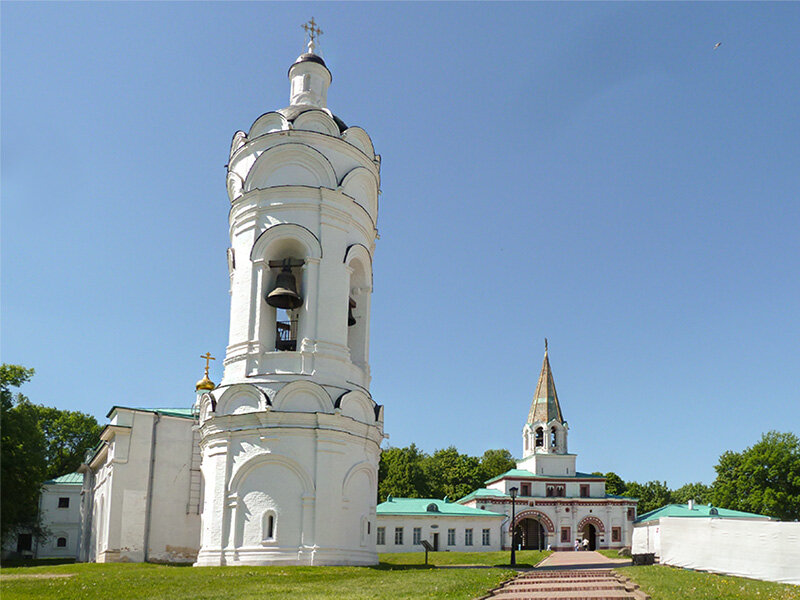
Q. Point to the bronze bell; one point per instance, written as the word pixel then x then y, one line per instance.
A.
pixel 351 320
pixel 285 295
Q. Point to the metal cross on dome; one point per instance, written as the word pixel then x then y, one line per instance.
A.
pixel 208 357
pixel 312 29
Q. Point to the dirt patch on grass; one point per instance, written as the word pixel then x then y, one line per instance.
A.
pixel 4 577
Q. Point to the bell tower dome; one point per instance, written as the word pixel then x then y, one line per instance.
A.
pixel 291 436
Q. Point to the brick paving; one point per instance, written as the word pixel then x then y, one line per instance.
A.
pixel 571 576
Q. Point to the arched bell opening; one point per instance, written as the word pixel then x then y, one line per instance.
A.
pixel 553 438
pixel 530 534
pixel 282 295
pixel 358 305
pixel 539 439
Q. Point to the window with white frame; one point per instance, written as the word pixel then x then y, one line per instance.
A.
pixel 398 536
pixel 381 536
pixel 451 537
pixel 468 537
pixel 485 537
pixel 416 536
pixel 61 542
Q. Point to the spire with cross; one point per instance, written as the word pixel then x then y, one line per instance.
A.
pixel 313 31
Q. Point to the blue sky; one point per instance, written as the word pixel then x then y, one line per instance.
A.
pixel 594 173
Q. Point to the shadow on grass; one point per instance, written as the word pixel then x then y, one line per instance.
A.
pixel 9 563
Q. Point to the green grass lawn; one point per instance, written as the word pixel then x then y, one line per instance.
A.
pixel 613 554
pixel 137 581
pixel 493 559
pixel 667 583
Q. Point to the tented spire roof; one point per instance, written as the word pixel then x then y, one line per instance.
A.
pixel 545 406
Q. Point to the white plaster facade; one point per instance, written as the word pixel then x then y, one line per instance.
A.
pixel 556 504
pixel 290 439
pixel 60 515
pixel 404 522
pixel 141 489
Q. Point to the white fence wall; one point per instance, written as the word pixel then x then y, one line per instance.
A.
pixel 767 550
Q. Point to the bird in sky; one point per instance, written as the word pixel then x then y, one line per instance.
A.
pixel 717 45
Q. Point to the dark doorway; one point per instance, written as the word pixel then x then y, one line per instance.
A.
pixel 590 533
pixel 435 542
pixel 530 535
pixel 24 543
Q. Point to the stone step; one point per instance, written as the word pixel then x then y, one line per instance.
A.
pixel 566 595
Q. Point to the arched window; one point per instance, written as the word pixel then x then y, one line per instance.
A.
pixel 553 441
pixel 61 542
pixel 268 529
pixel 539 437
pixel 432 507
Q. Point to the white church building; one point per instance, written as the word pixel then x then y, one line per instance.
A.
pixel 278 463
pixel 554 504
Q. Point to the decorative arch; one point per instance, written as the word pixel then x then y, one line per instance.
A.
pixel 316 120
pixel 361 467
pixel 271 121
pixel 302 396
pixel 359 138
pixel 356 405
pixel 591 519
pixel 291 164
pixel 208 406
pixel 240 473
pixel 242 398
pixel 362 185
pixel 539 516
pixel 286 231
pixel 359 252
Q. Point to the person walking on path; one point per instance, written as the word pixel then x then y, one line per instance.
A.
pixel 585 544
pixel 577 545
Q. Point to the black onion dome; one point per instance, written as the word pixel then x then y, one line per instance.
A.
pixel 310 57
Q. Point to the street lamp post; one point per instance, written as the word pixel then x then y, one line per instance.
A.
pixel 513 492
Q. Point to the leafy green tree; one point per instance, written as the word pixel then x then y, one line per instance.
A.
pixel 38 443
pixel 763 479
pixel 496 462
pixel 69 434
pixel 614 483
pixel 23 465
pixel 699 492
pixel 401 473
pixel 452 474
pixel 651 495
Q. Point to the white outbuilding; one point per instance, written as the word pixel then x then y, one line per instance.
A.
pixel 403 523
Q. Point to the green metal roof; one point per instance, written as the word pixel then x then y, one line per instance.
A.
pixel 699 511
pixel 522 473
pixel 185 413
pixel 68 479
pixel 484 493
pixel 419 506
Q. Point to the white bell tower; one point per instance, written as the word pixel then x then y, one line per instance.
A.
pixel 544 435
pixel 291 438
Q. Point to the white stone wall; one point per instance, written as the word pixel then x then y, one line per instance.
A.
pixel 122 517
pixel 567 512
pixel 430 525
pixel 60 522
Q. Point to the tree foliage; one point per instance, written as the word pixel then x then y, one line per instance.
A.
pixel 699 492
pixel 763 479
pixel 651 495
pixel 38 443
pixel 408 472
pixel 23 465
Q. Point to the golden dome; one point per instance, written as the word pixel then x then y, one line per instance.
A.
pixel 204 384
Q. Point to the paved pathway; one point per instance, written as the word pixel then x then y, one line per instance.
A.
pixel 571 576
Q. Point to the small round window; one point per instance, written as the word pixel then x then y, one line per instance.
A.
pixel 432 507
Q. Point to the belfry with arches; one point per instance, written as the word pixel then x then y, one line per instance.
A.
pixel 553 504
